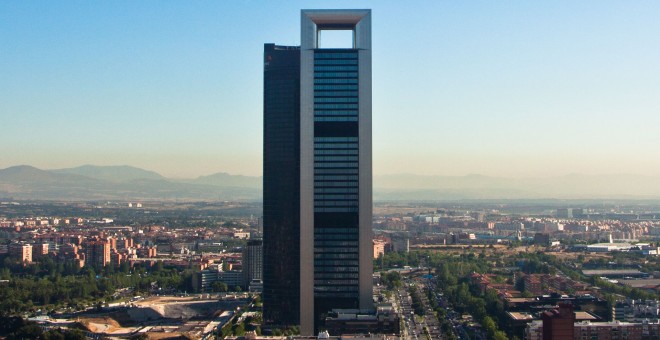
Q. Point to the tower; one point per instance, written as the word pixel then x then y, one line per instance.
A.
pixel 253 261
pixel 97 253
pixel 281 185
pixel 317 172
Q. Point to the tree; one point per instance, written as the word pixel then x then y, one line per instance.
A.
pixel 489 326
pixel 29 330
pixel 219 287
pixel 391 280
pixel 158 267
pixel 238 329
pixel 226 330
pixel 499 335
pixel 59 334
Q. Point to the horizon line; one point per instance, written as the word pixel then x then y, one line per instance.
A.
pixel 375 175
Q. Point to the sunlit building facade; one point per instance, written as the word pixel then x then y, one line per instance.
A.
pixel 317 172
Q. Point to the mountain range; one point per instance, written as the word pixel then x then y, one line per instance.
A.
pixel 90 182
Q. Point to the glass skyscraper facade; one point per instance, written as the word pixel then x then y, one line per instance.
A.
pixel 317 173
pixel 281 185
pixel 336 182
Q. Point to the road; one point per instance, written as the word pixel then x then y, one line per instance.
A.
pixel 407 316
pixel 429 325
pixel 461 329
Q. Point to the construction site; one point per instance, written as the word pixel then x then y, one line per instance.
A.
pixel 164 317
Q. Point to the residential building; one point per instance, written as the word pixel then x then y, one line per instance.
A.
pixel 21 251
pixel 558 324
pixel 379 248
pixel 97 253
pixel 40 249
pixel 614 330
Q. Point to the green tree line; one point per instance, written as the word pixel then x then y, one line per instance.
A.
pixel 50 284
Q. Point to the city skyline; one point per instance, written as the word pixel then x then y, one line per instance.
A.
pixel 511 90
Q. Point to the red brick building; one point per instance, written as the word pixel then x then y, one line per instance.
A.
pixel 97 253
pixel 559 324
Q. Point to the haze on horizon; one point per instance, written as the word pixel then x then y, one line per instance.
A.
pixel 509 89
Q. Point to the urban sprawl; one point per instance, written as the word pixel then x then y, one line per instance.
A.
pixel 440 271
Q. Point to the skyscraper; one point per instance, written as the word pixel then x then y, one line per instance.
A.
pixel 317 172
pixel 281 176
pixel 253 262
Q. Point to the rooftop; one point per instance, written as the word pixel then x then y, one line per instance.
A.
pixel 520 316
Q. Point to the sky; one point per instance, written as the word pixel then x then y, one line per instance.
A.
pixel 497 88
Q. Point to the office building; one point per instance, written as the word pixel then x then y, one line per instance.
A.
pixel 253 262
pixel 202 281
pixel 317 173
pixel 383 320
pixel 281 185
pixel 565 213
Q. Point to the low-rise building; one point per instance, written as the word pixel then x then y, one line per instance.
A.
pixel 203 280
pixel 353 321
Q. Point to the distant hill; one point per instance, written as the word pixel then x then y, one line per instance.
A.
pixel 29 182
pixel 26 182
pixel 91 182
pixel 118 173
pixel 572 186
pixel 29 175
pixel 23 173
pixel 224 179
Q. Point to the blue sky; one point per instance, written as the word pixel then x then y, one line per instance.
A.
pixel 501 88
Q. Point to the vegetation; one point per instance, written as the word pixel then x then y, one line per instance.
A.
pixel 417 306
pixel 487 309
pixel 391 280
pixel 49 285
pixel 294 330
pixel 570 270
pixel 453 277
pixel 18 328
pixel 397 260
pixel 219 287
pixel 242 322
pixel 453 268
